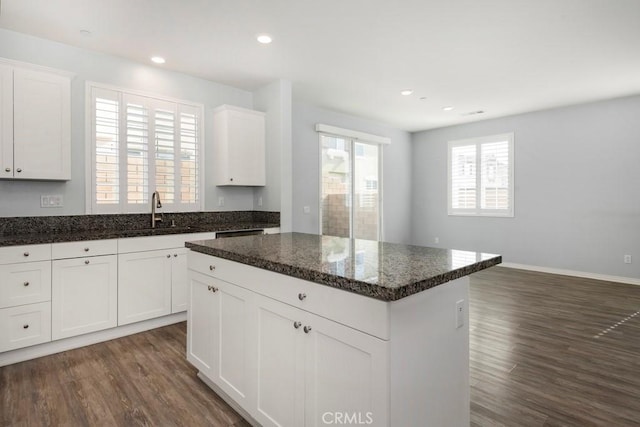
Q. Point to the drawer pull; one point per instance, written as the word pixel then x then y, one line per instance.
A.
pixel 18 170
pixel 175 255
pixel 297 324
pixel 212 267
pixel 307 329
pixel 86 249
pixel 86 261
pixel 212 288
pixel 25 326
pixel 26 254
pixel 25 284
pixel 168 255
pixel 301 297
pixel 7 169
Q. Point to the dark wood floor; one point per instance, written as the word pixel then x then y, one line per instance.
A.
pixel 546 350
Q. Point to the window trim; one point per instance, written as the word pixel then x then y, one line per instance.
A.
pixel 90 147
pixel 378 141
pixel 478 211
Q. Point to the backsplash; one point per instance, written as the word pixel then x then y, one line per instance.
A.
pixel 79 223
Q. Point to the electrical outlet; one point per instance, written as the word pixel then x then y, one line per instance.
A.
pixel 459 314
pixel 436 240
pixel 259 201
pixel 220 201
pixel 306 210
pixel 627 259
pixel 51 201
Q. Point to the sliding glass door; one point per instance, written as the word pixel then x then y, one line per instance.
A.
pixel 350 188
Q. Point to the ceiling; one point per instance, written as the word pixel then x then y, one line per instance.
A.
pixel 501 57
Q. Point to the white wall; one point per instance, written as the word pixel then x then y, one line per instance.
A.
pixel 22 198
pixel 577 189
pixel 306 170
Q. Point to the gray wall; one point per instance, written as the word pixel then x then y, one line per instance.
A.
pixel 577 189
pixel 22 198
pixel 306 170
pixel 275 100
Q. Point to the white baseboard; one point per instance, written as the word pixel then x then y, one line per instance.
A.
pixel 32 352
pixel 563 272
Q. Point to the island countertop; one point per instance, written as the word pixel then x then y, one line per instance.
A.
pixel 381 270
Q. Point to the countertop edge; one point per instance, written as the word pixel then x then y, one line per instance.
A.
pixel 342 283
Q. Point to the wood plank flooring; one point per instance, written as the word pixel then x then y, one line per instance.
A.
pixel 550 350
pixel 546 350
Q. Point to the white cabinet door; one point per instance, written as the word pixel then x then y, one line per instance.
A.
pixel 83 295
pixel 144 285
pixel 239 146
pixel 346 375
pixel 220 340
pixel 280 367
pixel 25 325
pixel 179 280
pixel 41 125
pixel 25 283
pixel 201 323
pixel 235 341
pixel 6 121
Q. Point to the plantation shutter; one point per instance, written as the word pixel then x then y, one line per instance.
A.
pixel 463 177
pixel 494 185
pixel 106 150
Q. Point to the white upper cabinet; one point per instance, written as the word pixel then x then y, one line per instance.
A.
pixel 239 146
pixel 35 124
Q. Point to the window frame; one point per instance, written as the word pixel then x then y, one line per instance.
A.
pixel 351 141
pixel 478 142
pixel 91 207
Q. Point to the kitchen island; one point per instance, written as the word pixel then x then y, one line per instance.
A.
pixel 297 329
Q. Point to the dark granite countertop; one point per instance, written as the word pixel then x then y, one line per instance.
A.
pixel 381 270
pixel 58 236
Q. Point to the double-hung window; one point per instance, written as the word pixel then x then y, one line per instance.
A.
pixel 480 176
pixel 141 144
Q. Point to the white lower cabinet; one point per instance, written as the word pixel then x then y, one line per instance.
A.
pixel 179 285
pixel 25 325
pixel 283 365
pixel 220 334
pixel 144 286
pixel 84 295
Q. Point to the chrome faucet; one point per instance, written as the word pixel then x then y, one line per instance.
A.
pixel 155 203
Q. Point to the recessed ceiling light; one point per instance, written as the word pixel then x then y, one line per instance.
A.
pixel 158 59
pixel 448 108
pixel 406 92
pixel 423 98
pixel 264 38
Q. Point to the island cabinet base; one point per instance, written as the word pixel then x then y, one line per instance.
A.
pixel 289 352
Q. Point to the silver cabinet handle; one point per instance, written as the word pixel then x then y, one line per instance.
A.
pixel 25 284
pixel 175 255
pixel 212 267
pixel 301 297
pixel 86 249
pixel 307 329
pixel 212 288
pixel 297 324
pixel 86 261
pixel 230 179
pixel 7 169
pixel 26 254
pixel 168 255
pixel 18 170
pixel 25 326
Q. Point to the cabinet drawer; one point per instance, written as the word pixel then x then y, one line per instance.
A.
pixel 84 249
pixel 26 253
pixel 25 325
pixel 357 311
pixel 25 283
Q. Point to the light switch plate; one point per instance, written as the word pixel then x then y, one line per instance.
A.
pixel 51 201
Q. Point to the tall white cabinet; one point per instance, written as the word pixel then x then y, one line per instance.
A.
pixel 35 123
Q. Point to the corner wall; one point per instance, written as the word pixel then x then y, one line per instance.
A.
pixel 577 189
